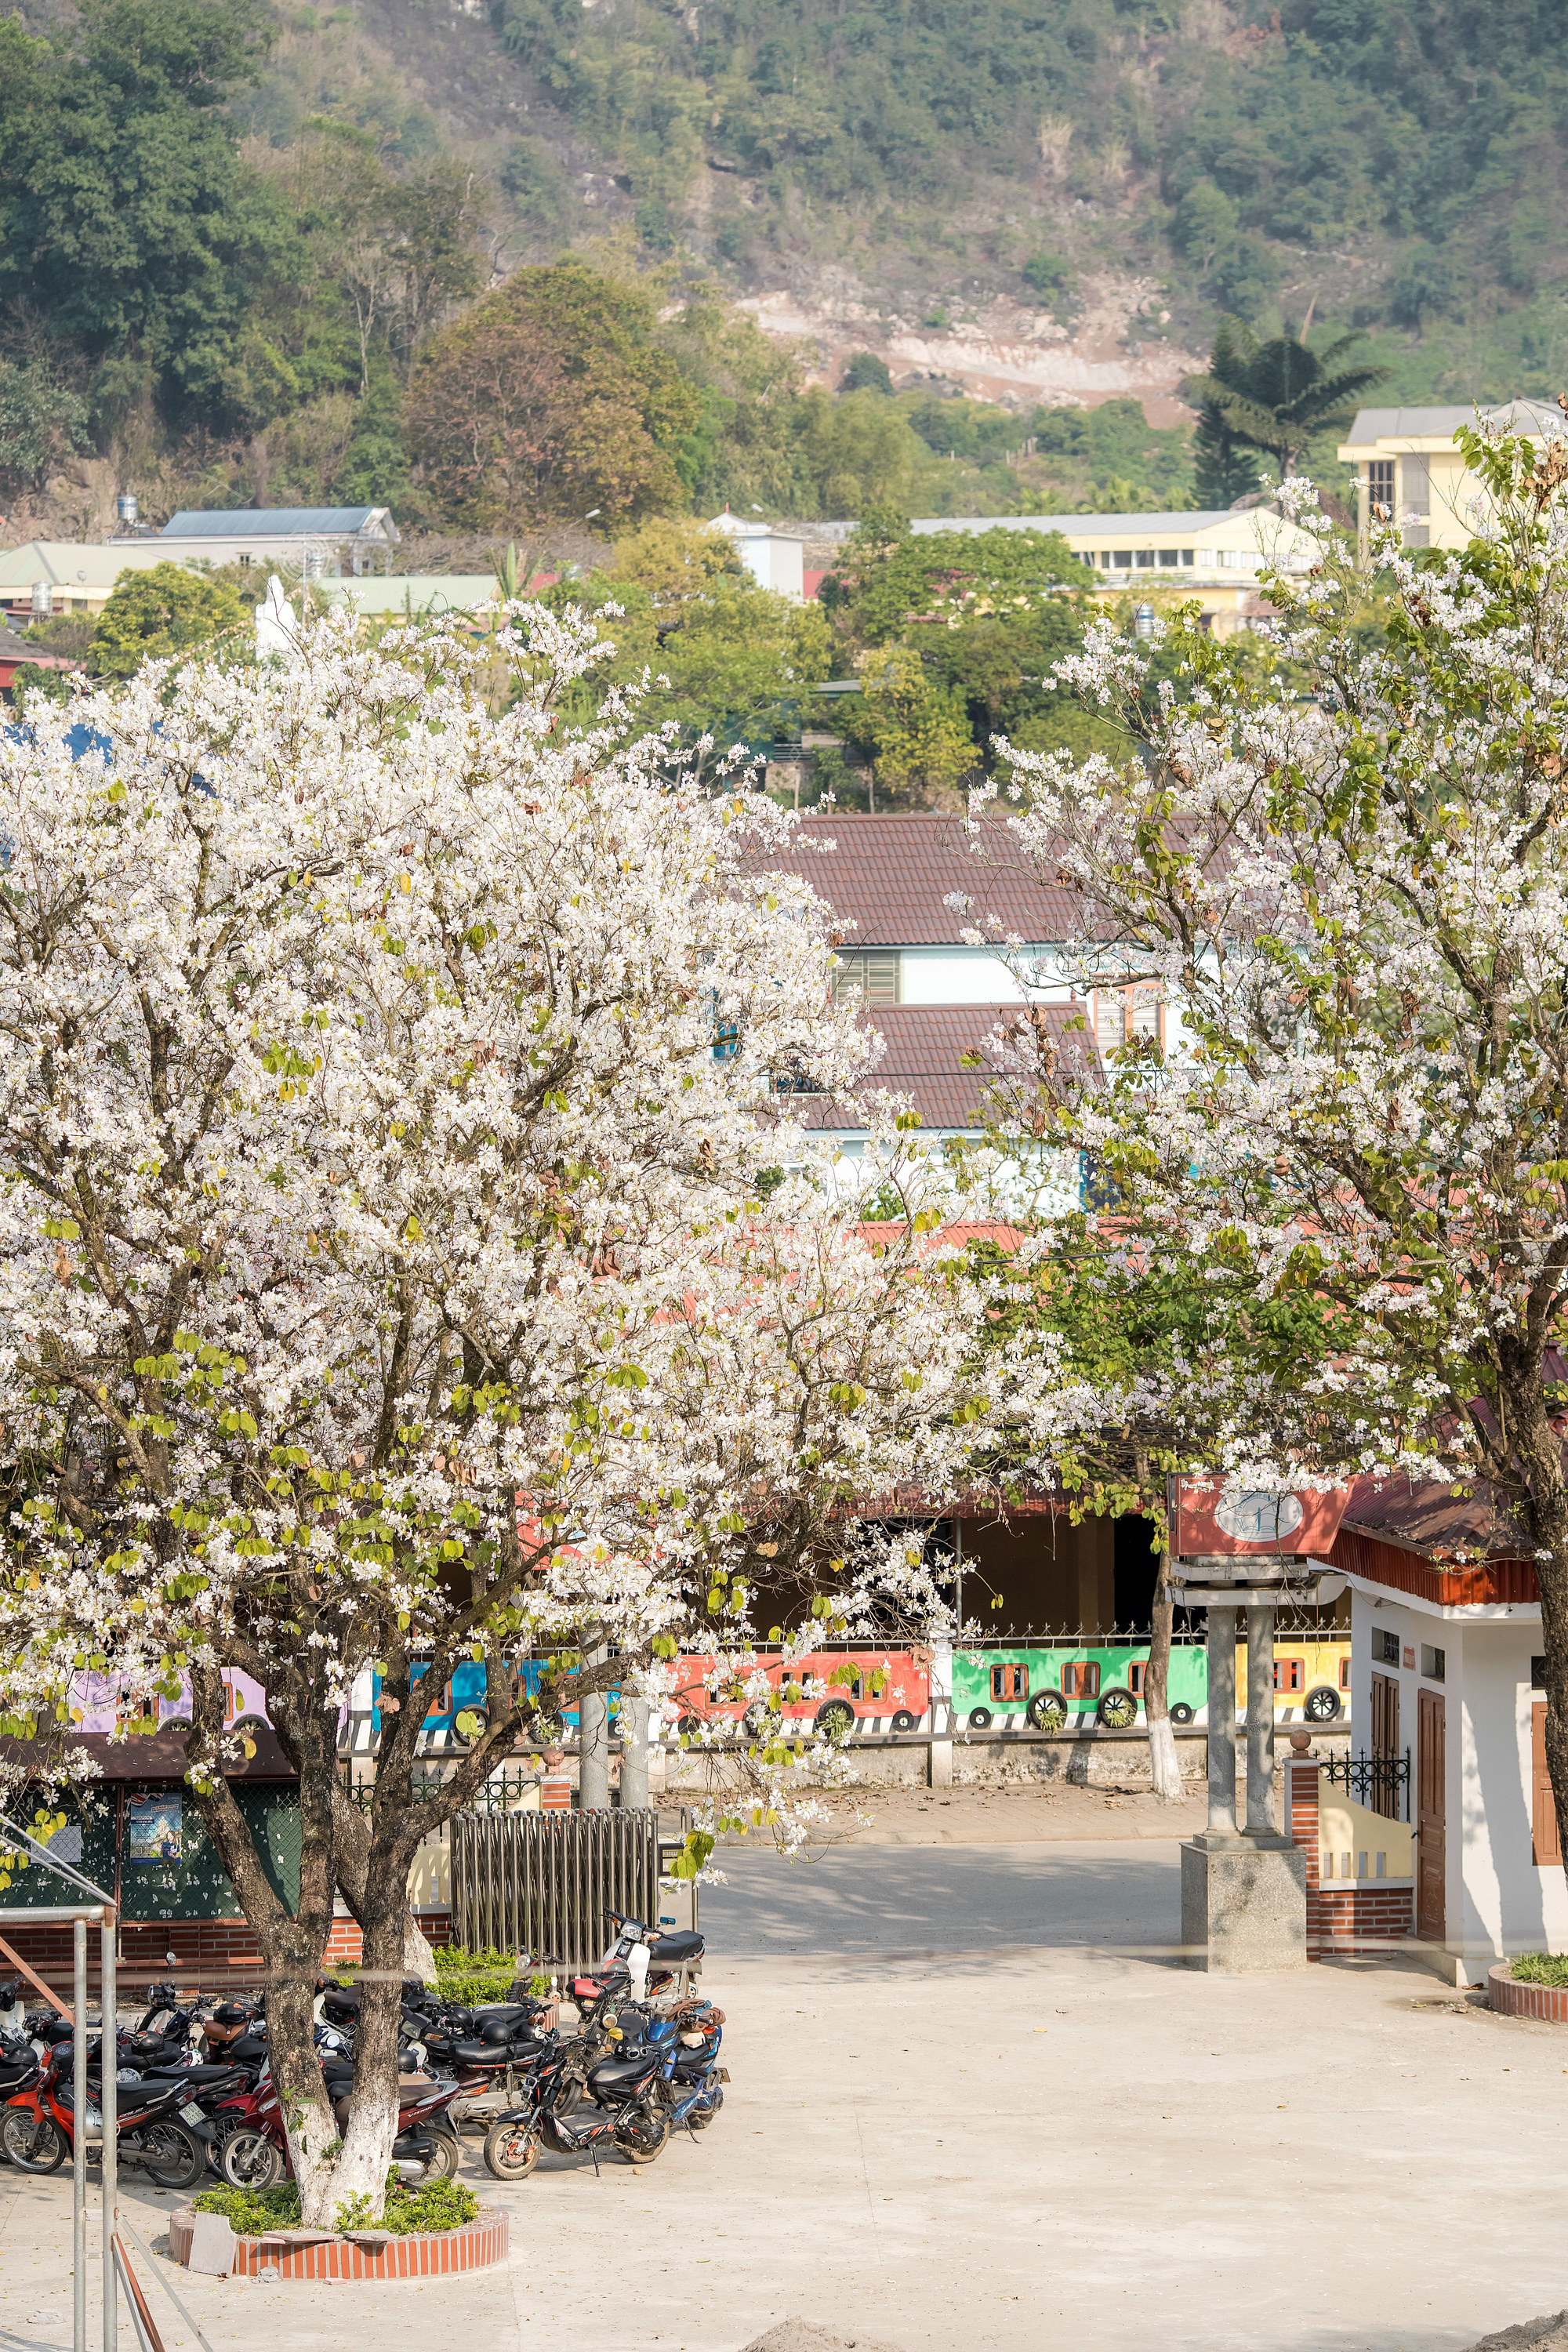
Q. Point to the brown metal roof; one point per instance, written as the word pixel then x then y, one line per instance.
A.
pixel 890 876
pixel 926 1049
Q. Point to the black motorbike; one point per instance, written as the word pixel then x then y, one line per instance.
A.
pixel 623 2098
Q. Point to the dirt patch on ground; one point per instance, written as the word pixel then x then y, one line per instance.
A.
pixel 1549 2333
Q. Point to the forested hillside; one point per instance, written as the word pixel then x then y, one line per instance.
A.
pixel 254 252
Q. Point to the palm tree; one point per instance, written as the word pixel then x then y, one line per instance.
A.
pixel 1275 395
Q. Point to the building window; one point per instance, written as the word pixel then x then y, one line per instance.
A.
pixel 245 563
pixel 1538 1674
pixel 1121 1015
pixel 871 974
pixel 1289 1674
pixel 1145 559
pixel 1080 1679
pixel 1170 557
pixel 1385 1646
pixel 1379 483
pixel 1433 1662
pixel 1189 555
pixel 1009 1682
pixel 1120 560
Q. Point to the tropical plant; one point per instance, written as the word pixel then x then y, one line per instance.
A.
pixel 1275 395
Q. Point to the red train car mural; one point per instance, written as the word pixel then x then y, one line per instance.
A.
pixel 859 1688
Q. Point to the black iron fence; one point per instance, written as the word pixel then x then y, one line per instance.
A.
pixel 1382 1782
pixel 542 1883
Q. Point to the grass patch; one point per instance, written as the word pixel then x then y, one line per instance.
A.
pixel 471 1979
pixel 1540 1969
pixel 438 2205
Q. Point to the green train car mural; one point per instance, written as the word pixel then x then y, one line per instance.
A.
pixel 1066 1685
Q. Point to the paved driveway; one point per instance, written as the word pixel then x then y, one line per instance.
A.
pixel 944 1899
pixel 992 2146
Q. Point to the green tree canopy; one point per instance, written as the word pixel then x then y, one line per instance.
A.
pixel 550 396
pixel 127 217
pixel 168 610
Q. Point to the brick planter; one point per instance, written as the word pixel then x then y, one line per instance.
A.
pixel 1548 2002
pixel 358 2254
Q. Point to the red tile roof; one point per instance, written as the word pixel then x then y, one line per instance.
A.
pixel 924 1056
pixel 890 876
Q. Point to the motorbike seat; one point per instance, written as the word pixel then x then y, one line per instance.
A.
pixel 249 2050
pixel 685 1945
pixel 194 2077
pixel 494 2054
pixel 610 2074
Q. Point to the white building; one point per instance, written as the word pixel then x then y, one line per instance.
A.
pixel 1446 1672
pixel 773 558
pixel 318 541
pixel 937 1001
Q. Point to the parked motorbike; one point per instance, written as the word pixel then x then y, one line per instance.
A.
pixel 624 2106
pixel 39 2122
pixel 251 2146
pixel 688 2040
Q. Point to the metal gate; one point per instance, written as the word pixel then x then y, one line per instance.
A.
pixel 542 1883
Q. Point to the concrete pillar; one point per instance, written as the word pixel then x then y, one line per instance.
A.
pixel 1222 1723
pixel 593 1743
pixel 634 1751
pixel 1260 1722
pixel 941 1716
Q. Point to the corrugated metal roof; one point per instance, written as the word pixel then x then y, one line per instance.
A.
pixel 1407 424
pixel 269 522
pixel 926 1051
pixel 890 875
pixel 1079 526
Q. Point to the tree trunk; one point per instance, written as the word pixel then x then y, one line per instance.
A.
pixel 293 1945
pixel 350 1832
pixel 366 2155
pixel 1165 1763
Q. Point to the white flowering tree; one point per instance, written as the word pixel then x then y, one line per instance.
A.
pixel 1350 882
pixel 387 1273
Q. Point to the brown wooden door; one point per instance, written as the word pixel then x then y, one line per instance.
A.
pixel 1431 1859
pixel 1384 1743
pixel 1542 1807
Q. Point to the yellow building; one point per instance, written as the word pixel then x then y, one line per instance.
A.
pixel 1214 557
pixel 1405 460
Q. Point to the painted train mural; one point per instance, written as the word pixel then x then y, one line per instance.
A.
pixel 858 1691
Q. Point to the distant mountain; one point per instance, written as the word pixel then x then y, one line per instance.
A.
pixel 1029 197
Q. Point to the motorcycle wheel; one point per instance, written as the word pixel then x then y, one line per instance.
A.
pixel 642 2133
pixel 33 2143
pixel 511 2151
pixel 248 2160
pixel 700 2118
pixel 173 2156
pixel 440 2158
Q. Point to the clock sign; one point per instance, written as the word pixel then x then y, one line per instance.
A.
pixel 1258 1518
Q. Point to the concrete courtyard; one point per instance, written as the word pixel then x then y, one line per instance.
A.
pixel 978 2101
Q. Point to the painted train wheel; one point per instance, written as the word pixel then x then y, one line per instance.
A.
pixel 1181 1712
pixel 1323 1705
pixel 979 1719
pixel 1048 1711
pixel 905 1721
pixel 1117 1711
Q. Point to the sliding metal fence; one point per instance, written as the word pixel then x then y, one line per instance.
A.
pixel 542 1883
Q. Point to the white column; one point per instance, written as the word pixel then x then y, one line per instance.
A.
pixel 1222 1723
pixel 593 1743
pixel 941 1716
pixel 634 1751
pixel 1260 1722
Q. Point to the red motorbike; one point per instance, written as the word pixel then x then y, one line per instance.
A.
pixel 253 2146
pixel 39 2123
